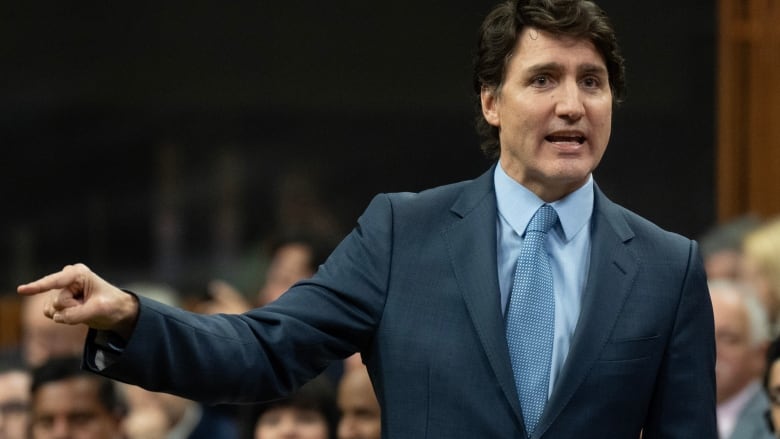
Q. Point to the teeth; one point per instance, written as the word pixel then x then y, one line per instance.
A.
pixel 578 139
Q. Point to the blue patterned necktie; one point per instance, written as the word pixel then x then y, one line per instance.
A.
pixel 530 319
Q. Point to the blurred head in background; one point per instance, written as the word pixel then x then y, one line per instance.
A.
pixel 42 338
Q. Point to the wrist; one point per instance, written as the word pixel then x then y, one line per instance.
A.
pixel 128 315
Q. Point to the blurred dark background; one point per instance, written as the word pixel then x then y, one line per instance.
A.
pixel 166 140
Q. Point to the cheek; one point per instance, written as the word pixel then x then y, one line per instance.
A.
pixel 601 117
pixel 263 432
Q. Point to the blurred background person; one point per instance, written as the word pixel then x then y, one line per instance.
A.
pixel 360 413
pixel 43 339
pixel 14 398
pixel 293 257
pixel 721 246
pixel 309 413
pixel 741 338
pixel 157 415
pixel 68 402
pixel 761 267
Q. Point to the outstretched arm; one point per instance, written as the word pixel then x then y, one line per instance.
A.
pixel 77 295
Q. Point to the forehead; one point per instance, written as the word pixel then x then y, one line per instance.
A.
pixel 14 384
pixel 75 393
pixel 729 310
pixel 535 47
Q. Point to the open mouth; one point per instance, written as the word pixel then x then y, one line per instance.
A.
pixel 560 138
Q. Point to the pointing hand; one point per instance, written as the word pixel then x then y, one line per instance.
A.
pixel 77 295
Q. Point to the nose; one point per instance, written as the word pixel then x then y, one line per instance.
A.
pixel 346 430
pixel 288 429
pixel 569 103
pixel 60 429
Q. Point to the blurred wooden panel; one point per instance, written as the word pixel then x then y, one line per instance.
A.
pixel 10 329
pixel 748 161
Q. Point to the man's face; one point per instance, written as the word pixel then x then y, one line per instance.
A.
pixel 553 112
pixel 738 359
pixel 360 413
pixel 70 409
pixel 14 401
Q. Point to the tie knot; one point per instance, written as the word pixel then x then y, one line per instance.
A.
pixel 543 220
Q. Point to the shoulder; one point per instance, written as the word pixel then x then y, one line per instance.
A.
pixel 433 198
pixel 649 230
pixel 459 197
pixel 645 237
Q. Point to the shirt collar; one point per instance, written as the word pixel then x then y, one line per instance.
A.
pixel 517 204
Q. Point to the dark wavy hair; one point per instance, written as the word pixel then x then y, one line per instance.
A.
pixel 581 19
pixel 65 368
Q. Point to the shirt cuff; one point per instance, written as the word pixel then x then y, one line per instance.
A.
pixel 108 348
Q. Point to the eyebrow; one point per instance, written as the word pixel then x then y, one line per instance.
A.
pixel 595 69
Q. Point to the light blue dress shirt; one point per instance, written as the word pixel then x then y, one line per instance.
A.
pixel 568 245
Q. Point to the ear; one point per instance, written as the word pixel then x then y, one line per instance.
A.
pixel 488 97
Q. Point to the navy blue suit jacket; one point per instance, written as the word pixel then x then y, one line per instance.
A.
pixel 414 288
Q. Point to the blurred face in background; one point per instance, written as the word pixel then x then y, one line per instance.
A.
pixel 151 415
pixel 739 360
pixel 290 264
pixel 71 409
pixel 289 422
pixel 14 403
pixel 360 412
pixel 752 273
pixel 42 338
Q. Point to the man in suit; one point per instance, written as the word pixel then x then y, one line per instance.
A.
pixel 742 338
pixel 425 285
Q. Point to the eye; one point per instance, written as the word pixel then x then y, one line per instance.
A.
pixel 541 81
pixel 44 422
pixel 591 82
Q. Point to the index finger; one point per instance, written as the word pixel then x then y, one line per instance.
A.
pixel 61 279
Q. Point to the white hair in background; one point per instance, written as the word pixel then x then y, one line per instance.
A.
pixel 758 320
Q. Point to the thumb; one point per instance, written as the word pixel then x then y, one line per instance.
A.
pixel 68 306
pixel 71 315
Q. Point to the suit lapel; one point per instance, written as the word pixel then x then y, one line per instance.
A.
pixel 612 270
pixel 472 249
pixel 471 242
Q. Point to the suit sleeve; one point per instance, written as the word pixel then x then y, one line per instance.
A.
pixel 269 351
pixel 683 405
